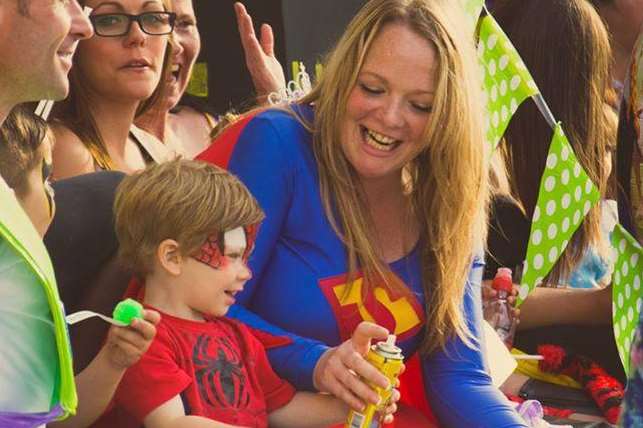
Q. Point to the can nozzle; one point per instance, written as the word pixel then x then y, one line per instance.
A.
pixel 388 347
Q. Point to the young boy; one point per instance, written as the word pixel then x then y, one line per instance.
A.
pixel 186 229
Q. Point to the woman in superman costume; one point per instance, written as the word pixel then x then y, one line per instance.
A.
pixel 374 187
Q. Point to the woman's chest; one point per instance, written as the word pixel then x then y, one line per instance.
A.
pixel 307 290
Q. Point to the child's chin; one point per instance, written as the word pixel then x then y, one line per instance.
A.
pixel 219 312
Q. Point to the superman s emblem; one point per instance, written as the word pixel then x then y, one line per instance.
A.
pixel 401 316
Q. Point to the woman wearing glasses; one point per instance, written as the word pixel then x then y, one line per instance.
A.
pixel 114 79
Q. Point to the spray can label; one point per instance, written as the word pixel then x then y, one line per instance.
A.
pixel 387 358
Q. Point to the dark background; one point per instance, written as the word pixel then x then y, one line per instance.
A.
pixel 304 30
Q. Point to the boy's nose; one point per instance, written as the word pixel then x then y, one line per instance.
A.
pixel 244 272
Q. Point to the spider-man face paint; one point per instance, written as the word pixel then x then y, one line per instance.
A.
pixel 210 253
pixel 239 240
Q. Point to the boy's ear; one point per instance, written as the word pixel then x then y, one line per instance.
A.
pixel 169 257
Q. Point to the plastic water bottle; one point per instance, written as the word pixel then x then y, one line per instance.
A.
pixel 498 311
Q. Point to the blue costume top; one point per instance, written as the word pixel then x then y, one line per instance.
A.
pixel 299 270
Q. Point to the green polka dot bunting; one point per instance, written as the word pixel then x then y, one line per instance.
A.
pixel 627 296
pixel 565 197
pixel 507 82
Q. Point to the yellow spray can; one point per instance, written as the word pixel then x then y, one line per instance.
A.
pixel 387 358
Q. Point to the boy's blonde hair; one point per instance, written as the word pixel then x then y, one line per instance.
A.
pixel 184 200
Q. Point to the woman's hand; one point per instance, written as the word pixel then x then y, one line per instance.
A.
pixel 343 371
pixel 265 70
pixel 391 406
pixel 488 294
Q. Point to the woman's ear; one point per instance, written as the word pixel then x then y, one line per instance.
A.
pixel 169 257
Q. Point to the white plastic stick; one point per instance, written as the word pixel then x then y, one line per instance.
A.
pixel 40 108
pixel 48 106
pixel 527 357
pixel 83 315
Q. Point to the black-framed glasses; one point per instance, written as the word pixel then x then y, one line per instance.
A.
pixel 119 24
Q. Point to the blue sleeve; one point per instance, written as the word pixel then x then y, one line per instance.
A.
pixel 456 379
pixel 265 159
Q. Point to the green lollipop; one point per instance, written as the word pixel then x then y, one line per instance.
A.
pixel 127 310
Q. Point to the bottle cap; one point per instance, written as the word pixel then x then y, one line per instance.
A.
pixel 503 280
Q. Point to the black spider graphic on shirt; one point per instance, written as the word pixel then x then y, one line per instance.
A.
pixel 221 378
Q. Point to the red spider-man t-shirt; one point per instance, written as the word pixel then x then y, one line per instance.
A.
pixel 218 367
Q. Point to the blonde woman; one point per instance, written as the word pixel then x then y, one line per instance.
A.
pixel 374 188
pixel 114 78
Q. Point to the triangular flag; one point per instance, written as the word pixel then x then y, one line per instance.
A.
pixel 565 197
pixel 627 296
pixel 507 81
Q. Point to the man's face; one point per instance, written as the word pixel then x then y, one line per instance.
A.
pixel 37 43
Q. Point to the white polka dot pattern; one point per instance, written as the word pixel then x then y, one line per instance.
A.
pixel 558 214
pixel 507 82
pixel 626 291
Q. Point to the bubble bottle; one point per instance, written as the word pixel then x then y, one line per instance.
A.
pixel 499 312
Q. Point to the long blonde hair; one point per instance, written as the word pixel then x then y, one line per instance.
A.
pixel 75 112
pixel 446 182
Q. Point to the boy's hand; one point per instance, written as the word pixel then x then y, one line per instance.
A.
pixel 488 294
pixel 126 345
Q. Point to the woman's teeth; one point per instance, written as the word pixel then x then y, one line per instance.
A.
pixel 379 141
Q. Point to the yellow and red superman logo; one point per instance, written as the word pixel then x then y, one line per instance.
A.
pixel 401 316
